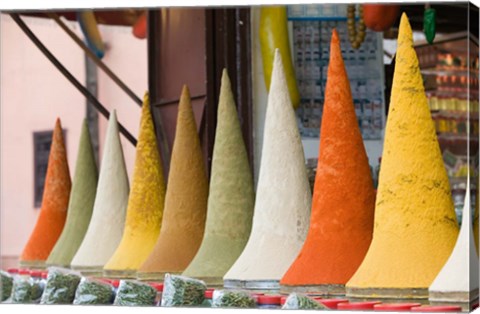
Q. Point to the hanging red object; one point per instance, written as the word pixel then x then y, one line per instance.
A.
pixel 380 17
pixel 139 29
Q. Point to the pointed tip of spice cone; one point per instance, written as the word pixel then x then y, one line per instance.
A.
pixel 335 38
pixel 225 81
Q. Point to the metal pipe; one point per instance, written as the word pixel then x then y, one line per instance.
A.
pixel 95 59
pixel 69 76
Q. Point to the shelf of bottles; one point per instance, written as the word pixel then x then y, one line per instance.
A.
pixel 451 85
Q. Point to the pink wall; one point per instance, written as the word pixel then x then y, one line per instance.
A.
pixel 33 93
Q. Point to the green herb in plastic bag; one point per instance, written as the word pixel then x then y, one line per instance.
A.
pixel 60 287
pixel 135 293
pixel 91 291
pixel 6 283
pixel 233 298
pixel 297 301
pixel 429 24
pixel 21 290
pixel 183 291
pixel 36 290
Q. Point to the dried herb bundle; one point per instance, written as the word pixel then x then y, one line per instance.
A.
pixel 91 291
pixel 182 291
pixel 297 301
pixel 6 283
pixel 233 298
pixel 60 287
pixel 135 293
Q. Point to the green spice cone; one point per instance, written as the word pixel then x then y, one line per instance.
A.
pixel 108 218
pixel 230 200
pixel 80 206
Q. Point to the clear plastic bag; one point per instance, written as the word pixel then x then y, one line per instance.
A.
pixel 135 293
pixel 93 291
pixel 233 298
pixel 6 283
pixel 182 291
pixel 61 286
pixel 298 301
pixel 21 289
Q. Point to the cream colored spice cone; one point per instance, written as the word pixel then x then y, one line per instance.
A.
pixel 108 217
pixel 283 198
pixel 458 279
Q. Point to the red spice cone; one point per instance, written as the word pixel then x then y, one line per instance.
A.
pixel 343 203
pixel 54 205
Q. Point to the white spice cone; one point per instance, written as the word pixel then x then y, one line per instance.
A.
pixel 282 207
pixel 458 279
pixel 106 226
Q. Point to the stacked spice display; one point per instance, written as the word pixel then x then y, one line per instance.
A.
pixel 281 240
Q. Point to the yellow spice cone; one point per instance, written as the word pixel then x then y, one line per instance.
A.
pixel 145 204
pixel 185 202
pixel 230 199
pixel 415 224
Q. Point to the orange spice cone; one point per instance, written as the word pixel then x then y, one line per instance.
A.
pixel 145 204
pixel 341 223
pixel 185 202
pixel 415 226
pixel 53 213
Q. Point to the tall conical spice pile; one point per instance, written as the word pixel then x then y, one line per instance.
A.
pixel 109 210
pixel 56 193
pixel 458 279
pixel 415 226
pixel 283 198
pixel 230 199
pixel 341 224
pixel 145 204
pixel 185 202
pixel 82 197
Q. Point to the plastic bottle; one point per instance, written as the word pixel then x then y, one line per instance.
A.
pixel 208 298
pixel 269 301
pixel 159 287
